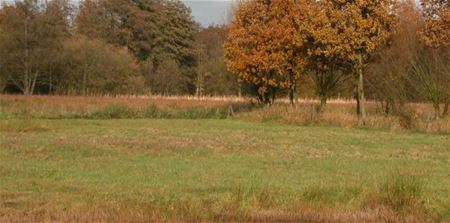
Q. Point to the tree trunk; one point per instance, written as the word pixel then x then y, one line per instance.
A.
pixel 200 84
pixel 33 82
pixel 446 107
pixel 358 112
pixel 50 87
pixel 273 93
pixel 260 96
pixel 323 104
pixel 197 92
pixel 437 110
pixel 26 90
pixel 26 78
pixel 239 89
pixel 387 108
pixel 291 97
pixel 360 92
pixel 84 84
pixel 292 94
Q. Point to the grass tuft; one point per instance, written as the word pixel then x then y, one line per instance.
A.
pixel 401 193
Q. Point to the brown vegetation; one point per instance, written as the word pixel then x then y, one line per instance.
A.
pixel 398 200
pixel 303 214
pixel 417 116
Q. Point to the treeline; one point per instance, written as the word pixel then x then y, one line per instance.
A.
pixel 109 47
pixel 392 51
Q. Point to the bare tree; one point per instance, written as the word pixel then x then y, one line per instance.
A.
pixel 35 32
pixel 431 77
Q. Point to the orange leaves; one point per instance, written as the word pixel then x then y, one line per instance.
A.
pixel 263 42
pixel 272 42
pixel 436 32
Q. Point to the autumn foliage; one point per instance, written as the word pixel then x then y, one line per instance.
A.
pixel 263 46
pixel 436 32
pixel 271 43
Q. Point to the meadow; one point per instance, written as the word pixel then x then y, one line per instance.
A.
pixel 105 159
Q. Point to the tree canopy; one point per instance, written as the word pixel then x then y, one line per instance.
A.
pixel 263 47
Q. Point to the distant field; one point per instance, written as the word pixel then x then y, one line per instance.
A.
pixel 123 170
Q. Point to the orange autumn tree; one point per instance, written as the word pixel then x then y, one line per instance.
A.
pixel 436 32
pixel 345 33
pixel 263 47
pixel 325 54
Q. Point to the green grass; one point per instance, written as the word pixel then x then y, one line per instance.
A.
pixel 201 169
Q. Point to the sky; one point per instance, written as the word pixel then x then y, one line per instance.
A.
pixel 208 12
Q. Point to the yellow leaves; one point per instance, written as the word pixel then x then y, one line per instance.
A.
pixel 345 29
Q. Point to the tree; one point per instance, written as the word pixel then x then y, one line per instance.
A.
pixel 150 29
pixel 35 31
pixel 212 75
pixel 431 78
pixel 3 40
pixel 436 70
pixel 390 76
pixel 56 29
pixel 436 32
pixel 122 23
pixel 262 46
pixel 353 30
pixel 325 57
pixel 166 79
pixel 93 67
pixel 177 40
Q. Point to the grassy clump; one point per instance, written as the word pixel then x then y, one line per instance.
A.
pixel 403 195
pixel 402 192
pixel 112 112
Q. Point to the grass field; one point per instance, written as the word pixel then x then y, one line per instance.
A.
pixel 145 170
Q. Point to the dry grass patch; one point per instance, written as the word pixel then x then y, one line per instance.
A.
pixel 343 115
pixel 24 126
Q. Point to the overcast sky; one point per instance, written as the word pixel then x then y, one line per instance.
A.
pixel 208 12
